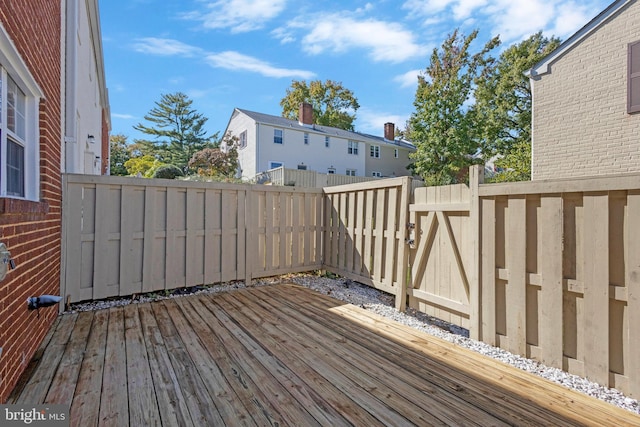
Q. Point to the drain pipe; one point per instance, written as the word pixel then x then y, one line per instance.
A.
pixel 34 303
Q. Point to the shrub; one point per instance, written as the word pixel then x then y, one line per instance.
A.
pixel 167 172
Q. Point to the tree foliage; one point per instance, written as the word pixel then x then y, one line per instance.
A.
pixel 217 162
pixel 167 172
pixel 176 128
pixel 333 104
pixel 503 103
pixel 442 127
pixel 143 166
pixel 120 153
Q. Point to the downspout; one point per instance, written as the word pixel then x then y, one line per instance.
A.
pixel 71 72
pixel 256 162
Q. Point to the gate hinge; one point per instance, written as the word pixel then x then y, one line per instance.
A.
pixel 411 225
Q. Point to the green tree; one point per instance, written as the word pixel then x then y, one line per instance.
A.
pixel 145 165
pixel 177 130
pixel 503 102
pixel 120 153
pixel 442 126
pixel 333 104
pixel 217 162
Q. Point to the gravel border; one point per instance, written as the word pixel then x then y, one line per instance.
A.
pixel 383 304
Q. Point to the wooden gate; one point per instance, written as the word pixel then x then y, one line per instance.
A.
pixel 444 252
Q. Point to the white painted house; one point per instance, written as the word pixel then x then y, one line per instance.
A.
pixel 86 103
pixel 267 142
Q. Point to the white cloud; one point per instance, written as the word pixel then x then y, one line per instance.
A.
pixel 284 35
pixel 238 15
pixel 237 61
pixel 164 47
pixel 513 20
pixel 338 33
pixel 408 79
pixel 372 122
pixel 123 116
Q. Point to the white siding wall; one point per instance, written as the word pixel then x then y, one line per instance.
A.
pixel 246 156
pixel 387 164
pixel 316 156
pixel 80 155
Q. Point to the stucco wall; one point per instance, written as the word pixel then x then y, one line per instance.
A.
pixel 580 123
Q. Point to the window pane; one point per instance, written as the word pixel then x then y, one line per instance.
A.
pixel 277 136
pixel 16 103
pixel 15 169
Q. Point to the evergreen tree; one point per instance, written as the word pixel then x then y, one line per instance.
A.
pixel 120 153
pixel 177 130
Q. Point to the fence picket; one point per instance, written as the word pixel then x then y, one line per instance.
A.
pixel 551 294
pixel 516 293
pixel 596 287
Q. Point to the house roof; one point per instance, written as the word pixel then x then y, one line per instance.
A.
pixel 326 130
pixel 543 66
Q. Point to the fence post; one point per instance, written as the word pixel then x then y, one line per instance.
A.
pixel 476 177
pixel 403 253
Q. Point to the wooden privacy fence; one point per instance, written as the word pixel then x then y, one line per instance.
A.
pixel 549 270
pixel 124 236
pixel 365 233
pixel 561 275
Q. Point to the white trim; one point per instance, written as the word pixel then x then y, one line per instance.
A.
pixel 11 60
pixel 544 65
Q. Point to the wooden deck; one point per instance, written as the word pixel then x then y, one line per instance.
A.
pixel 282 355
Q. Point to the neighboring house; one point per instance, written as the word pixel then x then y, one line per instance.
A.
pixel 33 95
pixel 87 117
pixel 267 142
pixel 586 99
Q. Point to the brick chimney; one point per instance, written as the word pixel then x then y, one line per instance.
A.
pixel 305 114
pixel 389 131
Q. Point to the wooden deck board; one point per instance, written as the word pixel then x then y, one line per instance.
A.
pixel 283 355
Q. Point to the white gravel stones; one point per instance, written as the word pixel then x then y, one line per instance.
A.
pixel 383 304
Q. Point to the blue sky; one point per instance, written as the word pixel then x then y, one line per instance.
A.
pixel 245 53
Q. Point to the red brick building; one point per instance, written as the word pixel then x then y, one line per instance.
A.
pixel 32 143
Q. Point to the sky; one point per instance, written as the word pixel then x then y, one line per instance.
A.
pixel 246 53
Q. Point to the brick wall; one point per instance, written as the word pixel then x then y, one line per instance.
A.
pixel 31 230
pixel 581 126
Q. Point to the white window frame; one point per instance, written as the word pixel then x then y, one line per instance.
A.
pixel 274 165
pixel 306 138
pixel 243 140
pixel 326 141
pixel 351 172
pixel 352 147
pixel 374 151
pixel 376 174
pixel 13 66
pixel 395 153
pixel 275 138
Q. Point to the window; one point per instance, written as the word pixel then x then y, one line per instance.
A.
pixel 19 133
pixel 277 136
pixel 243 140
pixel 302 167
pixel 352 147
pixel 375 151
pixel 377 174
pixel 274 165
pixel 395 153
pixel 633 78
pixel 326 141
pixel 351 172
pixel 331 171
pixel 306 138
